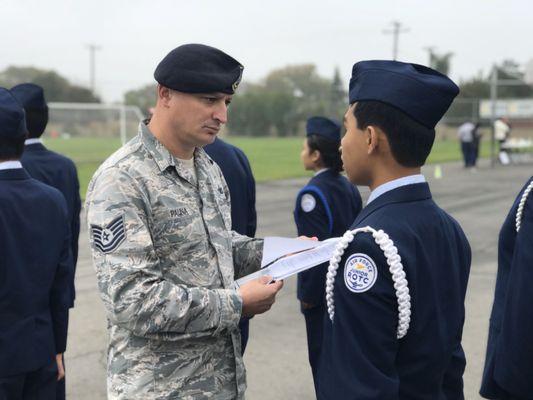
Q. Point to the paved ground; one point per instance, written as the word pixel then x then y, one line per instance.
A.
pixel 276 357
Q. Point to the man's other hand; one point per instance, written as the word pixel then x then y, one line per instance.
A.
pixel 259 295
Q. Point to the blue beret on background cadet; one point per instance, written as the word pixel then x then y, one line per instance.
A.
pixel 197 68
pixel 324 127
pixel 12 117
pixel 31 96
pixel 420 92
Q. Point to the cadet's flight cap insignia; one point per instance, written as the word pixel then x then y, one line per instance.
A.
pixel 420 92
pixel 108 237
pixel 360 273
pixel 308 202
pixel 197 68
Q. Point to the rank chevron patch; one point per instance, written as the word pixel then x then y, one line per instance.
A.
pixel 107 238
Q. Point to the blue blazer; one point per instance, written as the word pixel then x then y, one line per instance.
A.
pixel 60 172
pixel 336 204
pixel 35 273
pixel 362 358
pixel 241 184
pixel 508 370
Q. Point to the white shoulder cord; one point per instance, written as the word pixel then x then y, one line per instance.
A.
pixel 522 204
pixel 395 268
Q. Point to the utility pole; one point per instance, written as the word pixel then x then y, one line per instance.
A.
pixel 396 30
pixel 92 70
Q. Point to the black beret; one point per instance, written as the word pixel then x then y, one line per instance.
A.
pixel 12 117
pixel 420 92
pixel 31 96
pixel 197 68
pixel 325 127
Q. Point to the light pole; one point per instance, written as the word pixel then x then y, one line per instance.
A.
pixel 396 30
pixel 92 68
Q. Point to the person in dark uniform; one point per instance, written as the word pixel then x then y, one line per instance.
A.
pixel 241 183
pixel 51 168
pixel 508 370
pixel 35 269
pixel 396 283
pixel 325 208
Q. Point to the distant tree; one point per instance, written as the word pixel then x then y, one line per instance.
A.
pixel 56 87
pixel 338 99
pixel 144 97
pixel 440 62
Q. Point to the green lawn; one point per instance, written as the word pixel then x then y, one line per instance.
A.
pixel 271 158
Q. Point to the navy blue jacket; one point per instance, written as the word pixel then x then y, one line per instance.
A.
pixel 509 361
pixel 336 204
pixel 35 273
pixel 60 172
pixel 362 358
pixel 238 174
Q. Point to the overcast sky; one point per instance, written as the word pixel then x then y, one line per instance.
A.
pixel 135 35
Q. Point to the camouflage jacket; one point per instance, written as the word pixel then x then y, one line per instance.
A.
pixel 165 259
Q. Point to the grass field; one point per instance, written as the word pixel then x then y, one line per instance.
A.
pixel 271 158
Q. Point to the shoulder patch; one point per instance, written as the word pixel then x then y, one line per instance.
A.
pixel 360 273
pixel 108 237
pixel 308 202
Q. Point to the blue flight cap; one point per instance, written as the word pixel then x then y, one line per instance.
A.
pixel 31 96
pixel 12 117
pixel 197 68
pixel 325 127
pixel 420 92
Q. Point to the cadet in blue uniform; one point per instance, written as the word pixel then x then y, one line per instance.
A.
pixel 35 269
pixel 509 362
pixel 395 336
pixel 51 168
pixel 325 208
pixel 241 183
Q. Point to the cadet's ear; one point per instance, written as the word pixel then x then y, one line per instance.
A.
pixel 163 95
pixel 372 134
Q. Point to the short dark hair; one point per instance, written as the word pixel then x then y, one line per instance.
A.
pixel 36 121
pixel 329 151
pixel 409 140
pixel 11 148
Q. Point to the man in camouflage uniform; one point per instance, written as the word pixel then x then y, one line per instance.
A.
pixel 159 217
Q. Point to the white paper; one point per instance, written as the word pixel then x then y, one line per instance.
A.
pixel 295 263
pixel 275 247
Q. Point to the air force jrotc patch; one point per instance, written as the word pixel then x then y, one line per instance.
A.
pixel 308 202
pixel 360 273
pixel 107 238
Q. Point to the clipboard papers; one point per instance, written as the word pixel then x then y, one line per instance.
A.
pixel 282 266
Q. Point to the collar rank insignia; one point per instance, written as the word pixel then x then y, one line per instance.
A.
pixel 108 237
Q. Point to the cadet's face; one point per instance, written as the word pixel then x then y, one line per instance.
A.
pixel 354 146
pixel 197 118
pixel 305 156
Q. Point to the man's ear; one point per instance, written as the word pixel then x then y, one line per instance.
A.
pixel 163 95
pixel 372 137
pixel 315 156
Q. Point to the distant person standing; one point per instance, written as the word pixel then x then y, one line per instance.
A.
pixel 51 168
pixel 508 373
pixel 35 270
pixel 241 184
pixel 325 208
pixel 502 131
pixel 465 132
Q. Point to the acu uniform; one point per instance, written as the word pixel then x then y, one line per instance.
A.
pixel 509 361
pixel 362 358
pixel 35 271
pixel 166 258
pixel 241 184
pixel 325 208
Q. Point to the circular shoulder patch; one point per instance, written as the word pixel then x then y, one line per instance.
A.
pixel 360 273
pixel 308 202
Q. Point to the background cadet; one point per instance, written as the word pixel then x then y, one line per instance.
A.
pixel 165 256
pixel 325 208
pixel 241 184
pixel 509 361
pixel 466 134
pixel 51 168
pixel 389 134
pixel 35 270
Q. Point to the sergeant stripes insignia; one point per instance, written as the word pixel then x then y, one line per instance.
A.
pixel 108 237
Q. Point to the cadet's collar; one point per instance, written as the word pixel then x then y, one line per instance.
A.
pixel 10 165
pixel 33 141
pixel 396 183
